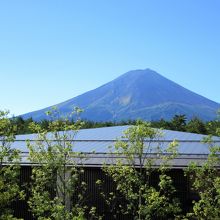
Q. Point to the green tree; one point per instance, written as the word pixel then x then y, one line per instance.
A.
pixel 196 125
pixel 10 190
pixel 178 123
pixel 21 125
pixel 213 127
pixel 162 124
pixel 132 171
pixel 57 191
pixel 205 180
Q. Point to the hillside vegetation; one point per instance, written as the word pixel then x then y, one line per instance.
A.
pixel 177 123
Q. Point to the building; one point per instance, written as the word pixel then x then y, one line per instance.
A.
pixel 95 143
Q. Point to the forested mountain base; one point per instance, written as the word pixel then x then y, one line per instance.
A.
pixel 177 123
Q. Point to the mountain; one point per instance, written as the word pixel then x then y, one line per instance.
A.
pixel 137 94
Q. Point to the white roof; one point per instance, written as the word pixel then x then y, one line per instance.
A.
pixel 96 142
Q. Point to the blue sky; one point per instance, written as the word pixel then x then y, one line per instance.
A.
pixel 53 50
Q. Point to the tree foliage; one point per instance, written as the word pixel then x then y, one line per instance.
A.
pixel 178 123
pixel 56 191
pixel 9 169
pixel 205 180
pixel 132 172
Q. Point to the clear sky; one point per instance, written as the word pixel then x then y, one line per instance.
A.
pixel 53 50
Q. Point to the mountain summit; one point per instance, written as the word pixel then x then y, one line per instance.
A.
pixel 137 94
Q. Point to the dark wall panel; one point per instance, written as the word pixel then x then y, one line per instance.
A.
pixel 93 197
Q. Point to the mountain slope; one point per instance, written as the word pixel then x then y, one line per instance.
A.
pixel 137 94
